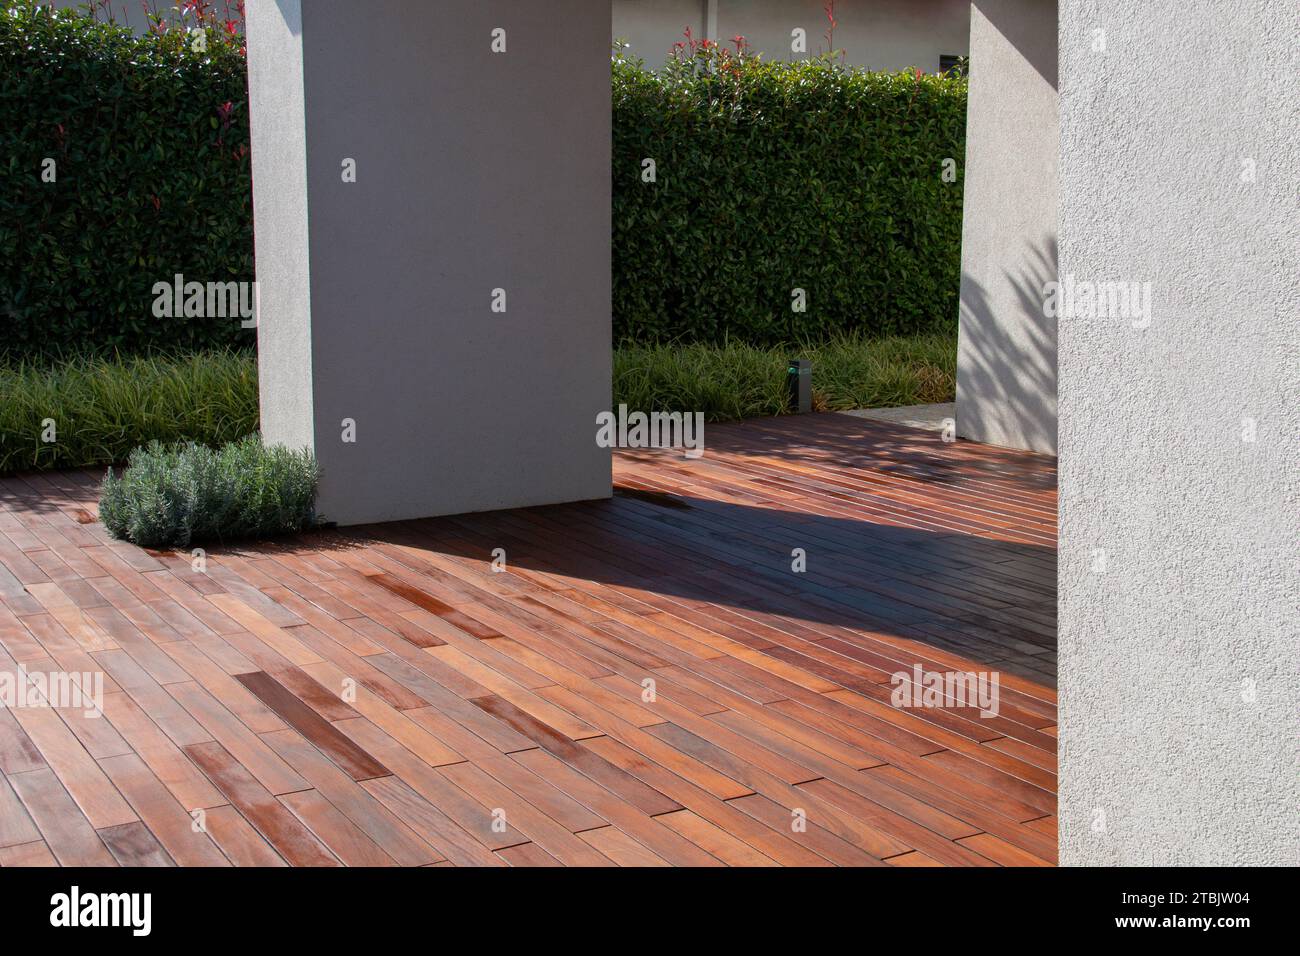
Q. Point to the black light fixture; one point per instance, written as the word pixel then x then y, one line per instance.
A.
pixel 799 381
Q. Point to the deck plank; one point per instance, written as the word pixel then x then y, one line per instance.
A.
pixel 647 681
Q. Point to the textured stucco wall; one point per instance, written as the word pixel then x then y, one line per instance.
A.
pixel 476 171
pixel 1006 354
pixel 877 34
pixel 279 144
pixel 1178 661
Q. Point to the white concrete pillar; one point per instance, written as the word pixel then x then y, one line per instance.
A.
pixel 432 215
pixel 1180 483
pixel 1006 357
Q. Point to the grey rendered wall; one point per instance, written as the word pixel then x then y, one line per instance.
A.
pixel 1179 661
pixel 128 13
pixel 877 34
pixel 651 27
pixel 476 171
pixel 1006 355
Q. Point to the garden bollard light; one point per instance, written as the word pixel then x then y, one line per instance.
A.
pixel 800 384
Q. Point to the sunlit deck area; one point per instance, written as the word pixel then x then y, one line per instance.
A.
pixel 697 672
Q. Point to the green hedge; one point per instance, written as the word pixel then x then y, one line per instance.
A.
pixel 735 380
pixel 777 176
pixel 152 179
pixel 769 177
pixel 95 410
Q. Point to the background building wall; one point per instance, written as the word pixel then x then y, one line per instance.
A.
pixel 653 26
pixel 1178 440
pixel 126 12
pixel 877 34
pixel 1006 356
pixel 476 171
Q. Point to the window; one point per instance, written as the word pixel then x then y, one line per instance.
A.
pixel 954 63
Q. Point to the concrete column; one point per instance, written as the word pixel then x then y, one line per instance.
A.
pixel 438 330
pixel 1006 356
pixel 1180 483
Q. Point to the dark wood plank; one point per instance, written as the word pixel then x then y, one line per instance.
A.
pixel 335 745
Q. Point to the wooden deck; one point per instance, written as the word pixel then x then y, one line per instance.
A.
pixel 647 681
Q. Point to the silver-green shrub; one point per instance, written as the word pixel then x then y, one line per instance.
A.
pixel 171 496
